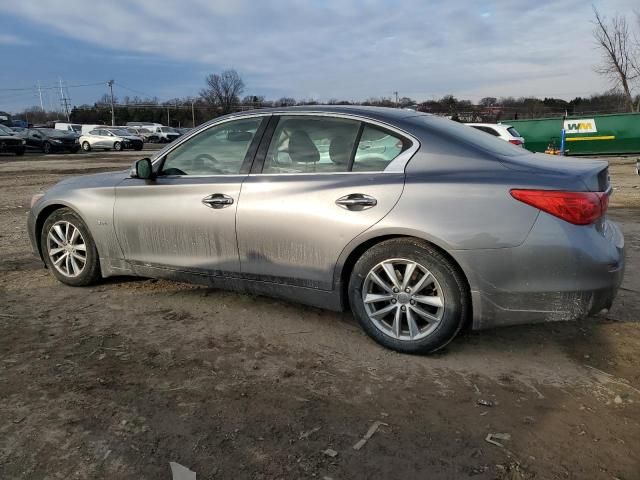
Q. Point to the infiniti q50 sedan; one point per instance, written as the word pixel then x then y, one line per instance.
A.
pixel 418 224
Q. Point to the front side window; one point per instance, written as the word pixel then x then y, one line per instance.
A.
pixel 376 150
pixel 307 144
pixel 219 150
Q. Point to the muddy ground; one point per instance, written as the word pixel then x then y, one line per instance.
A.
pixel 117 380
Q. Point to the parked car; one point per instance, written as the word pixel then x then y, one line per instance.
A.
pixel 504 132
pixel 10 142
pixel 146 134
pixel 166 134
pixel 69 127
pixel 49 140
pixel 110 139
pixel 454 227
pixel 183 130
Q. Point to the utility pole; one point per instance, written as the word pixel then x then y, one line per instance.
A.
pixel 40 93
pixel 168 119
pixel 63 100
pixel 193 114
pixel 113 112
pixel 396 94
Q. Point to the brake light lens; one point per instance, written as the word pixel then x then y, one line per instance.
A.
pixel 515 142
pixel 579 208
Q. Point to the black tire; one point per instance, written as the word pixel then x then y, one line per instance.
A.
pixel 90 273
pixel 20 152
pixel 46 148
pixel 75 150
pixel 138 148
pixel 117 146
pixel 451 280
pixel 86 146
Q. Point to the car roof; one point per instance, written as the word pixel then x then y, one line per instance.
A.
pixel 375 113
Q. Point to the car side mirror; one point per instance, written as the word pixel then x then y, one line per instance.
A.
pixel 142 169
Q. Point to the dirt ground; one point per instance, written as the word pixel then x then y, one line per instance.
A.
pixel 117 380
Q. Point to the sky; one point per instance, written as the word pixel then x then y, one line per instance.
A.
pixel 344 49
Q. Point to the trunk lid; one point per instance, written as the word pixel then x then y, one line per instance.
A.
pixel 594 174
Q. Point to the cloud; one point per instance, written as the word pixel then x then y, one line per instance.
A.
pixel 9 39
pixel 351 48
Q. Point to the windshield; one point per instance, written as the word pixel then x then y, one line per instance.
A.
pixel 470 136
pixel 52 132
pixel 168 130
pixel 119 131
pixel 6 130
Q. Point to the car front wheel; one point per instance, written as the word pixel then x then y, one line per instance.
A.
pixel 408 296
pixel 86 146
pixel 117 146
pixel 68 249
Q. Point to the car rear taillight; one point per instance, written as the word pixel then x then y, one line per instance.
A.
pixel 515 142
pixel 579 208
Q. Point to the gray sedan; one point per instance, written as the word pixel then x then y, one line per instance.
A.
pixel 419 225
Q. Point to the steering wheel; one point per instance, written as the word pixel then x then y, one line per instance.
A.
pixel 202 162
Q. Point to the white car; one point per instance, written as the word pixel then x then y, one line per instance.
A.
pixel 505 132
pixel 166 134
pixel 110 138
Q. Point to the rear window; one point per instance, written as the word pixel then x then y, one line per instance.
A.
pixel 513 132
pixel 470 136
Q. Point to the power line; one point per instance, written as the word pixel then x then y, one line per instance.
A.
pixel 54 87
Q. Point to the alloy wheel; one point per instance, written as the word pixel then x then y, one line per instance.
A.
pixel 67 249
pixel 403 299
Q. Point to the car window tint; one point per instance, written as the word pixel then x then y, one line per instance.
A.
pixel 376 149
pixel 219 150
pixel 306 144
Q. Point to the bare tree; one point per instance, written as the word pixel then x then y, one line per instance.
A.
pixel 620 62
pixel 223 90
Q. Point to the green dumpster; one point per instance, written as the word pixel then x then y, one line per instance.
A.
pixel 585 135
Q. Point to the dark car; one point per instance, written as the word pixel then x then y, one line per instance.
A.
pixel 49 140
pixel 10 142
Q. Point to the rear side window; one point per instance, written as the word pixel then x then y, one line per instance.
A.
pixel 377 149
pixel 513 132
pixel 305 144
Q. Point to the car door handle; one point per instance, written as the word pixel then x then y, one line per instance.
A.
pixel 356 202
pixel 217 200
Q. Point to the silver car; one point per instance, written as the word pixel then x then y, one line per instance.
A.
pixel 110 138
pixel 419 225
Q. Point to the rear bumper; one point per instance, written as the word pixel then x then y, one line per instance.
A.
pixel 560 272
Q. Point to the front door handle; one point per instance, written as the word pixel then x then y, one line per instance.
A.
pixel 217 200
pixel 356 202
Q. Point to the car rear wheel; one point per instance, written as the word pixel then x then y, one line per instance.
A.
pixel 68 249
pixel 86 146
pixel 117 146
pixel 408 296
pixel 20 152
pixel 46 148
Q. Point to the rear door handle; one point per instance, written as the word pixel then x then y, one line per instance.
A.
pixel 356 202
pixel 217 200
